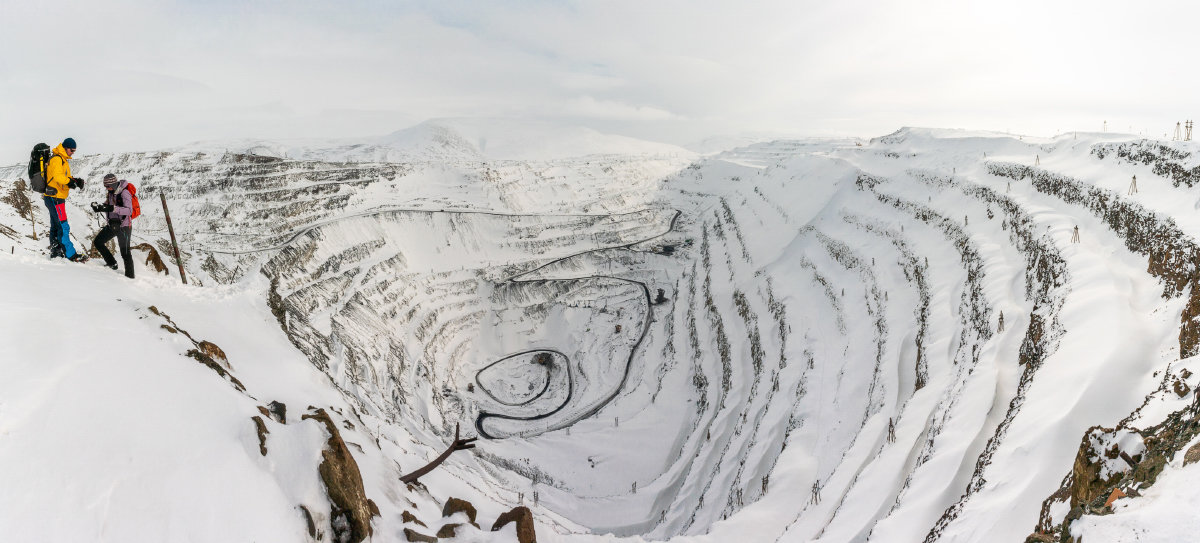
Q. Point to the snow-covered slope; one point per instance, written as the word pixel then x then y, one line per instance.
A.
pixel 906 339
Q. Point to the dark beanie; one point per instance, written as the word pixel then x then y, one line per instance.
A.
pixel 69 143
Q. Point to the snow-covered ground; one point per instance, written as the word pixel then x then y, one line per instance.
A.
pixel 825 362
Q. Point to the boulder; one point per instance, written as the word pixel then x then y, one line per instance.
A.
pixel 1192 454
pixel 448 530
pixel 455 505
pixel 343 482
pixel 308 520
pixel 411 535
pixel 262 434
pixel 524 519
pixel 407 517
pixel 213 351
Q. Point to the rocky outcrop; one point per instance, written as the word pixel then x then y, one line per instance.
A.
pixel 276 411
pixel 413 535
pixel 523 518
pixel 455 505
pixel 261 428
pixel 153 260
pixel 351 510
pixel 407 517
pixel 448 531
pixel 1166 161
pixel 1115 463
pixel 205 352
pixel 1173 257
pixel 309 523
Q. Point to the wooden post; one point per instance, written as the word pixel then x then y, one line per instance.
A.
pixel 174 245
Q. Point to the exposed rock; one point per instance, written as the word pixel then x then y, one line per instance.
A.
pixel 407 517
pixel 212 350
pixel 212 364
pixel 275 302
pixel 455 505
pixel 153 260
pixel 412 535
pixel 448 530
pixel 20 201
pixel 308 518
pixel 1181 388
pixel 1189 328
pixel 278 411
pixel 262 434
pixel 1039 538
pixel 524 519
pixel 1192 454
pixel 343 482
pixel 1086 483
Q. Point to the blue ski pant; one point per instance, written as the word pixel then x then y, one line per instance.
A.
pixel 60 231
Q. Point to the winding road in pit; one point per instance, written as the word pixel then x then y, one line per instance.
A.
pixel 515 279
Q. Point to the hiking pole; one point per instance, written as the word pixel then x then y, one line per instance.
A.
pixel 171 229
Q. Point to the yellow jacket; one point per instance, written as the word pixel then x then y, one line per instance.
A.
pixel 58 172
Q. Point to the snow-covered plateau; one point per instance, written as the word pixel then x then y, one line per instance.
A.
pixel 930 336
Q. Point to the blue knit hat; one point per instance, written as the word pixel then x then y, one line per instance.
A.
pixel 69 143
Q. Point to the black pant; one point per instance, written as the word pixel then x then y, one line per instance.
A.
pixel 122 234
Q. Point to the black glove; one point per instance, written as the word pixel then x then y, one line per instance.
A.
pixel 75 183
pixel 101 208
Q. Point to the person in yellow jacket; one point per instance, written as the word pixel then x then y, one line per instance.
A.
pixel 58 186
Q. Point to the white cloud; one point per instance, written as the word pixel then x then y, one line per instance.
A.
pixel 138 74
pixel 589 107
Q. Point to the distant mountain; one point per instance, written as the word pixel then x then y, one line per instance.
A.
pixel 454 140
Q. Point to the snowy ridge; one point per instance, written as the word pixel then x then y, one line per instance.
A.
pixel 453 140
pixel 826 361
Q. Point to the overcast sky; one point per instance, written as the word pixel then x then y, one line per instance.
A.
pixel 140 74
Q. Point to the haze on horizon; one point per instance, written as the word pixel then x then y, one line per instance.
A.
pixel 138 75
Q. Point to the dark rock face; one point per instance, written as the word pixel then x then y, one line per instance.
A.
pixel 407 517
pixel 278 411
pixel 448 530
pixel 1192 454
pixel 308 519
pixel 351 513
pixel 1087 484
pixel 153 260
pixel 524 519
pixel 261 427
pixel 213 351
pixel 412 535
pixel 455 505
pixel 1091 493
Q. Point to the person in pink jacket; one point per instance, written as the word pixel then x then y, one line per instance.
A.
pixel 118 209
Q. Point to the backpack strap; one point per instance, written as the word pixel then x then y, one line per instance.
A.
pixel 46 165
